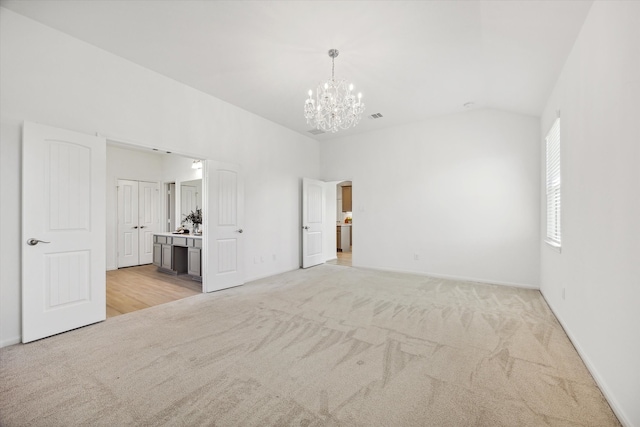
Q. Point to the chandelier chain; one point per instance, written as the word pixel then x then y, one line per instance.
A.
pixel 333 67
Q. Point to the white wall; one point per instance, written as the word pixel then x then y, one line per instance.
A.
pixel 461 192
pixel 51 78
pixel 599 266
pixel 10 234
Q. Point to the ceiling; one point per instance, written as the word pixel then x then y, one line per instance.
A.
pixel 411 59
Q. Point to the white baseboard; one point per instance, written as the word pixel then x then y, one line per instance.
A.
pixel 452 277
pixel 617 410
pixel 262 276
pixel 10 341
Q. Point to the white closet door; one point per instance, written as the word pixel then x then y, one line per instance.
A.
pixel 128 236
pixel 137 221
pixel 148 220
pixel 63 230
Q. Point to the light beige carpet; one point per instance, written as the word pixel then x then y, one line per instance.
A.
pixel 326 346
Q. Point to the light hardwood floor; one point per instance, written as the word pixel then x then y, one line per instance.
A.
pixel 134 288
pixel 344 258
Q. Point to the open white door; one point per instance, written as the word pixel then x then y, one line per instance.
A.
pixel 313 201
pixel 224 265
pixel 63 230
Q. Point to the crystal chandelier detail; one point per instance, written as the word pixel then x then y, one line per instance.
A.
pixel 334 106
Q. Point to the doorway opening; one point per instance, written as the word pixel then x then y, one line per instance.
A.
pixel 344 224
pixel 135 286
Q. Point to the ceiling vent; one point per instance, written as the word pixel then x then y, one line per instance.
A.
pixel 375 116
pixel 316 131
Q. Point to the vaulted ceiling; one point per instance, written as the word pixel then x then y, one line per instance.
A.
pixel 411 59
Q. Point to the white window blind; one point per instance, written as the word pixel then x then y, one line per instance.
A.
pixel 554 231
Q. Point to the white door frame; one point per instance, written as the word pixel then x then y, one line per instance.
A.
pixel 332 219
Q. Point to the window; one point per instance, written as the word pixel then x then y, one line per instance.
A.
pixel 553 185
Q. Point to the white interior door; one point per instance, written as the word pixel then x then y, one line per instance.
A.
pixel 148 219
pixel 313 202
pixel 138 219
pixel 224 234
pixel 128 236
pixel 63 230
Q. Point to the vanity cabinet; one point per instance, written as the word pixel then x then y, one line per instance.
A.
pixel 167 257
pixel 157 254
pixel 346 199
pixel 178 254
pixel 193 262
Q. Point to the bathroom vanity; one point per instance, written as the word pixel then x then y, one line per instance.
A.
pixel 178 254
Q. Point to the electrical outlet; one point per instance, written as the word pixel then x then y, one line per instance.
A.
pixel 416 257
pixel 261 258
pixel 563 293
pixel 255 259
pixel 274 257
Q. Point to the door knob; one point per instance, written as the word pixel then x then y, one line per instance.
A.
pixel 143 226
pixel 305 227
pixel 135 227
pixel 33 242
pixel 239 230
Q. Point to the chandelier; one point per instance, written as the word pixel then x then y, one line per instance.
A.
pixel 334 106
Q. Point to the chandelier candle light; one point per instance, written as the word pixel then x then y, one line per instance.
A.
pixel 334 106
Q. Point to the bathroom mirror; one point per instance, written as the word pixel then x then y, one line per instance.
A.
pixel 190 197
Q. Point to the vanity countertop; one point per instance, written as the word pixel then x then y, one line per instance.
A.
pixel 193 236
pixel 344 225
